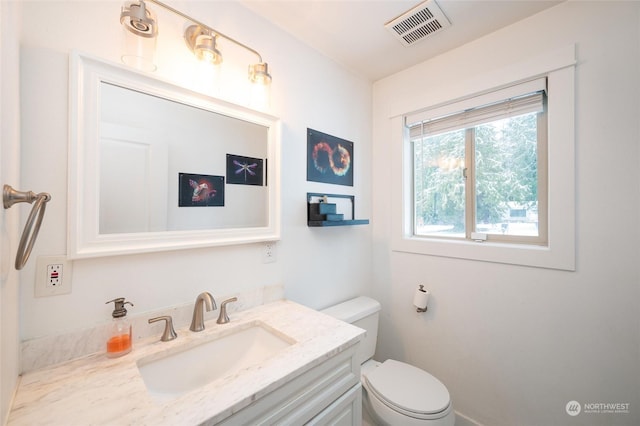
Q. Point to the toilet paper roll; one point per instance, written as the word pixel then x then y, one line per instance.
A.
pixel 420 299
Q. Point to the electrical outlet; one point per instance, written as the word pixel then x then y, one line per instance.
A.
pixel 269 253
pixel 53 276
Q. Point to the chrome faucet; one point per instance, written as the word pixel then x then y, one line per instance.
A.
pixel 197 322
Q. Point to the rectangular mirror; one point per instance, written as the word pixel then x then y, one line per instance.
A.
pixel 154 166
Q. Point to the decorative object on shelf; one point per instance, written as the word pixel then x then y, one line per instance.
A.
pixel 200 190
pixel 244 170
pixel 332 210
pixel 329 159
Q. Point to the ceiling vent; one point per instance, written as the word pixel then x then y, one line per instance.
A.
pixel 418 23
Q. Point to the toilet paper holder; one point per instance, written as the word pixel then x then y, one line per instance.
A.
pixel 420 299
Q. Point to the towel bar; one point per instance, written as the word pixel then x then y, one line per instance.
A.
pixel 10 197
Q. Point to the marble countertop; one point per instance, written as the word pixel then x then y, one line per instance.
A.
pixel 96 390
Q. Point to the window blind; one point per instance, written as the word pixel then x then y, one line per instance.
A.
pixel 510 102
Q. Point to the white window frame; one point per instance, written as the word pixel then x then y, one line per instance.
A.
pixel 559 252
pixel 502 103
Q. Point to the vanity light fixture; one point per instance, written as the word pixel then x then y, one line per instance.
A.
pixel 140 30
pixel 200 38
pixel 138 19
pixel 202 43
pixel 259 73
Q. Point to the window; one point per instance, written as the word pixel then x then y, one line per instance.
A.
pixel 451 96
pixel 480 167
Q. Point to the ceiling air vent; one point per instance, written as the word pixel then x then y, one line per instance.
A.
pixel 418 23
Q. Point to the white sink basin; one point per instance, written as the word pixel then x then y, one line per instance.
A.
pixel 170 375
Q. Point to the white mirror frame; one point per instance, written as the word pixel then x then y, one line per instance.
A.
pixel 83 237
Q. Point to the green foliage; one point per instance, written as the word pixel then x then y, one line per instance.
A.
pixel 440 185
pixel 505 172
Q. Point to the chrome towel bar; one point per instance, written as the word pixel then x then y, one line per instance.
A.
pixel 10 197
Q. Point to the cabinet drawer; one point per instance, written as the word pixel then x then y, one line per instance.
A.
pixel 345 411
pixel 301 399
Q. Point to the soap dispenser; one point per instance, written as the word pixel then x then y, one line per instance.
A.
pixel 119 342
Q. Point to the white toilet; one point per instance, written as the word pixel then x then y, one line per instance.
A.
pixel 394 393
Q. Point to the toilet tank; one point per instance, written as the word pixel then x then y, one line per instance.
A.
pixel 362 312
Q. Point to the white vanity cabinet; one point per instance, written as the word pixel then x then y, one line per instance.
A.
pixel 315 380
pixel 327 394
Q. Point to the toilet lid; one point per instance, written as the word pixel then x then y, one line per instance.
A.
pixel 408 388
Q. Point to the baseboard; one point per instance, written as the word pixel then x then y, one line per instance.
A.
pixel 462 420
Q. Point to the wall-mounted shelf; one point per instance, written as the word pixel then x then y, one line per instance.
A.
pixel 331 210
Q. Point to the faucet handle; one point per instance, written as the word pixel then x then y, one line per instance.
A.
pixel 169 333
pixel 223 318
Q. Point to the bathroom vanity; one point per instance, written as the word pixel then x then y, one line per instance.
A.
pixel 292 365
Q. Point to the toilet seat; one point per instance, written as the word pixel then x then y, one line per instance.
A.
pixel 408 390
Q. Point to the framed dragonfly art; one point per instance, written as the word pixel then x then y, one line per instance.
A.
pixel 245 170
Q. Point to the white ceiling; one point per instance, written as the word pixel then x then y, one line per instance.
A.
pixel 352 32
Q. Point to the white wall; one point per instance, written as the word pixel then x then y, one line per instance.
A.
pixel 515 344
pixel 9 219
pixel 315 265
